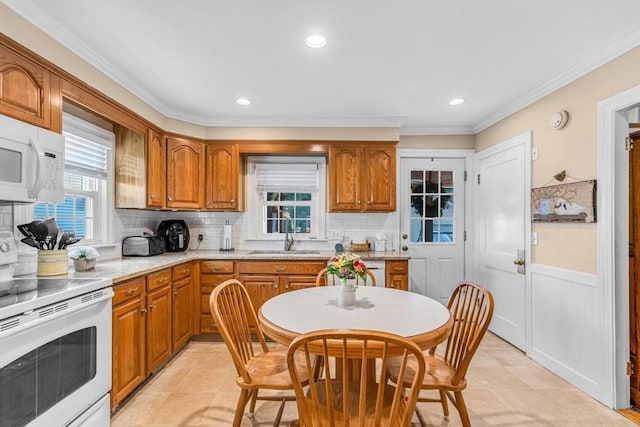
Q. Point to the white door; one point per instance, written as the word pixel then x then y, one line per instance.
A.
pixel 502 200
pixel 432 224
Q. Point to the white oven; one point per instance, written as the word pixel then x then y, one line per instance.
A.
pixel 55 362
pixel 55 357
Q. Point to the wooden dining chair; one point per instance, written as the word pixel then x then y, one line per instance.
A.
pixel 471 307
pixel 236 320
pixel 324 279
pixel 335 397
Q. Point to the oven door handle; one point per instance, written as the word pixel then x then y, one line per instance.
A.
pixel 33 318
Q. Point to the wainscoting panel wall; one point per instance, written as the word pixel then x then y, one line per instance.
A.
pixel 565 334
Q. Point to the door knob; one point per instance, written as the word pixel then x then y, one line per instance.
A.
pixel 405 248
pixel 405 235
pixel 518 261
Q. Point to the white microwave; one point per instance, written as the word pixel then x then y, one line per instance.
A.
pixel 31 163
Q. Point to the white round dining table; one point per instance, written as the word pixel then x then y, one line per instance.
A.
pixel 423 320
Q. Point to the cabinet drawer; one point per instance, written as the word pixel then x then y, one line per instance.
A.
pixel 204 305
pixel 128 290
pixel 209 281
pixel 182 270
pixel 397 267
pixel 207 324
pixel 280 267
pixel 156 280
pixel 216 266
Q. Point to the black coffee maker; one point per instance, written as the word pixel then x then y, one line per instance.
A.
pixel 175 233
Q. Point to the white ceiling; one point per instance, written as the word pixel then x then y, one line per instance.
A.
pixel 386 63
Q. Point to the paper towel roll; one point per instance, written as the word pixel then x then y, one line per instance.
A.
pixel 226 236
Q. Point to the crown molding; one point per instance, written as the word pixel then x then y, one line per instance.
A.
pixel 436 130
pixel 604 55
pixel 35 14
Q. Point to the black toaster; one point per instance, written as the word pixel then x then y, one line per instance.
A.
pixel 143 245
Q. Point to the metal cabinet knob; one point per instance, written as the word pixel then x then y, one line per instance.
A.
pixel 275 285
pixel 405 248
pixel 176 293
pixel 232 201
pixel 143 310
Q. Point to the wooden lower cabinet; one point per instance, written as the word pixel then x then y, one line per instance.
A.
pixel 182 312
pixel 260 287
pixel 129 357
pixel 158 327
pixel 152 317
pixel 266 279
pixel 397 274
pixel 212 273
pixel 129 333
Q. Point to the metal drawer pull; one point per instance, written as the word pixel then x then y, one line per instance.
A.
pixel 132 290
pixel 281 269
pixel 185 271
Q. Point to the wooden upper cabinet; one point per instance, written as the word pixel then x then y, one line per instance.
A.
pixel 185 174
pixel 345 178
pixel 362 178
pixel 156 169
pixel 222 178
pixel 25 89
pixel 380 178
pixel 129 168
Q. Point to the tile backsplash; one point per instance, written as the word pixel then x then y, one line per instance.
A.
pixel 356 227
pixel 353 227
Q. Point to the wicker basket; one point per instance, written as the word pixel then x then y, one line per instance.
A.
pixel 360 247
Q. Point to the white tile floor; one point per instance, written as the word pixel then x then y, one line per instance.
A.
pixel 505 388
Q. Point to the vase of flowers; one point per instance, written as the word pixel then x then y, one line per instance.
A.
pixel 347 267
pixel 84 258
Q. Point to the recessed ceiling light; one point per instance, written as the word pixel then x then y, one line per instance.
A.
pixel 456 101
pixel 316 41
pixel 243 101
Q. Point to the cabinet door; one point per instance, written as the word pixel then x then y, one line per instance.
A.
pixel 158 327
pixel 156 169
pixel 25 89
pixel 222 177
pixel 397 274
pixel 128 356
pixel 260 288
pixel 295 282
pixel 130 177
pixel 182 311
pixel 185 174
pixel 380 178
pixel 345 179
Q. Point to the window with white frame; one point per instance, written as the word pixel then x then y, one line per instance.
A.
pixel 286 194
pixel 87 209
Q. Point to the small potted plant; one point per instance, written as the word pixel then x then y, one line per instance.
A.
pixel 84 258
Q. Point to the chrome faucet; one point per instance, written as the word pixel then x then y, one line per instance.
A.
pixel 288 238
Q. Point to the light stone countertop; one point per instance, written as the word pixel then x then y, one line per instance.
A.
pixel 125 268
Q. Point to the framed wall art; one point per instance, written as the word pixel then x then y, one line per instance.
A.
pixel 574 202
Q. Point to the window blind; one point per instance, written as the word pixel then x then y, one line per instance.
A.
pixel 291 177
pixel 86 147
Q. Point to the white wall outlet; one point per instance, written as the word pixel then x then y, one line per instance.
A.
pixel 534 153
pixel 534 238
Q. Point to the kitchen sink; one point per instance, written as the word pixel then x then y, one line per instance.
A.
pixel 283 252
